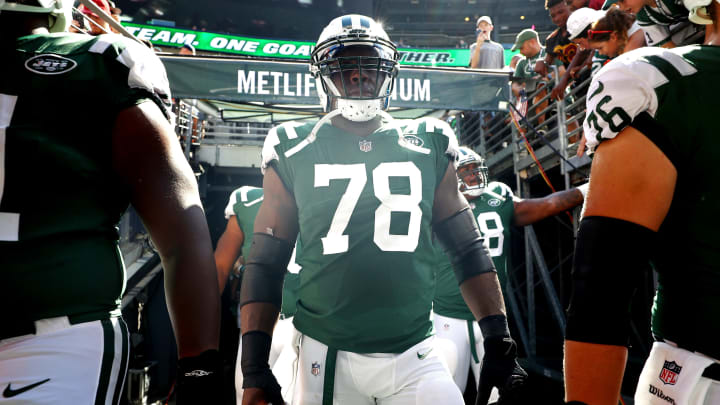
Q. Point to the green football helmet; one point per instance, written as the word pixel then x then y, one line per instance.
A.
pixel 59 11
pixel 472 172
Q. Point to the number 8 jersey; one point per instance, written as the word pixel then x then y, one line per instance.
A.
pixel 365 213
pixel 494 211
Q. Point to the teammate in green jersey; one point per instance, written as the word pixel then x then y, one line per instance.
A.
pixel 496 209
pixel 84 131
pixel 236 240
pixel 653 196
pixel 363 193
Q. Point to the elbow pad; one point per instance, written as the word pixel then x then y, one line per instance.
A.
pixel 461 239
pixel 611 256
pixel 265 270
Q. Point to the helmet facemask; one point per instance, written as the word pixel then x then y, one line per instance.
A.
pixel 472 178
pixel 355 73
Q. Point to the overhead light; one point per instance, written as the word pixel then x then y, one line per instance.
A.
pixel 467 19
pixel 522 17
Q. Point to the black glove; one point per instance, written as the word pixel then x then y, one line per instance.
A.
pixel 255 367
pixel 199 379
pixel 499 365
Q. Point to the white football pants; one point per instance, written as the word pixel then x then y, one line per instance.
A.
pixel 82 364
pixel 455 344
pixel 417 376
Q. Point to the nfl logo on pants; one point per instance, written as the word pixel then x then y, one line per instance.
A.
pixel 315 369
pixel 669 373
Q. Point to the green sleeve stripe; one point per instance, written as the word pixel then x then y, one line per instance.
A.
pixel 665 67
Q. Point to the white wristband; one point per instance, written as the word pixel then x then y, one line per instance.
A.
pixel 583 189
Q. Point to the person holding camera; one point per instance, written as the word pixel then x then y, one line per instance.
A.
pixel 485 53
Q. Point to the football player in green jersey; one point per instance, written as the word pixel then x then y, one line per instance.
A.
pixel 496 209
pixel 69 167
pixel 363 193
pixel 241 212
pixel 653 196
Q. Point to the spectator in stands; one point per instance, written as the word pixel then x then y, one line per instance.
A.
pixel 585 21
pixel 560 47
pixel 664 22
pixel 558 43
pixel 528 43
pixel 612 33
pixel 79 23
pixel 187 49
pixel 578 4
pixel 115 13
pixel 486 53
pixel 514 61
pixel 578 25
pixel 98 26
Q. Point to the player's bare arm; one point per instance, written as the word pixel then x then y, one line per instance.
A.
pixel 532 210
pixel 635 41
pixel 580 58
pixel 164 192
pixel 228 249
pixel 627 168
pixel 275 230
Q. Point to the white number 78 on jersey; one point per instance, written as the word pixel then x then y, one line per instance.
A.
pixel 336 241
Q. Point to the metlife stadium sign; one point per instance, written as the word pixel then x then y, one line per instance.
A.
pixel 290 82
pixel 268 48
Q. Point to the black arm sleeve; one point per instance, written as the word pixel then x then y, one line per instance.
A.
pixel 265 270
pixel 463 243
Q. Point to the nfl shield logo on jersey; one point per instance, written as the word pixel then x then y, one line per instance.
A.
pixel 669 373
pixel 315 369
pixel 365 146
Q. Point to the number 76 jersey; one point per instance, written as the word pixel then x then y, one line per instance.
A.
pixel 365 213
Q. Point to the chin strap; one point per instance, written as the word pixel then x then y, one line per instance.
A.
pixel 359 110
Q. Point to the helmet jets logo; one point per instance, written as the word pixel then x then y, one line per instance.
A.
pixel 50 64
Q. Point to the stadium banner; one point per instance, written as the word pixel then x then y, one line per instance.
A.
pixel 271 82
pixel 270 48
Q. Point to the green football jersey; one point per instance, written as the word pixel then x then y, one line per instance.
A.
pixel 244 205
pixel 365 213
pixel 494 212
pixel 666 95
pixel 60 199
